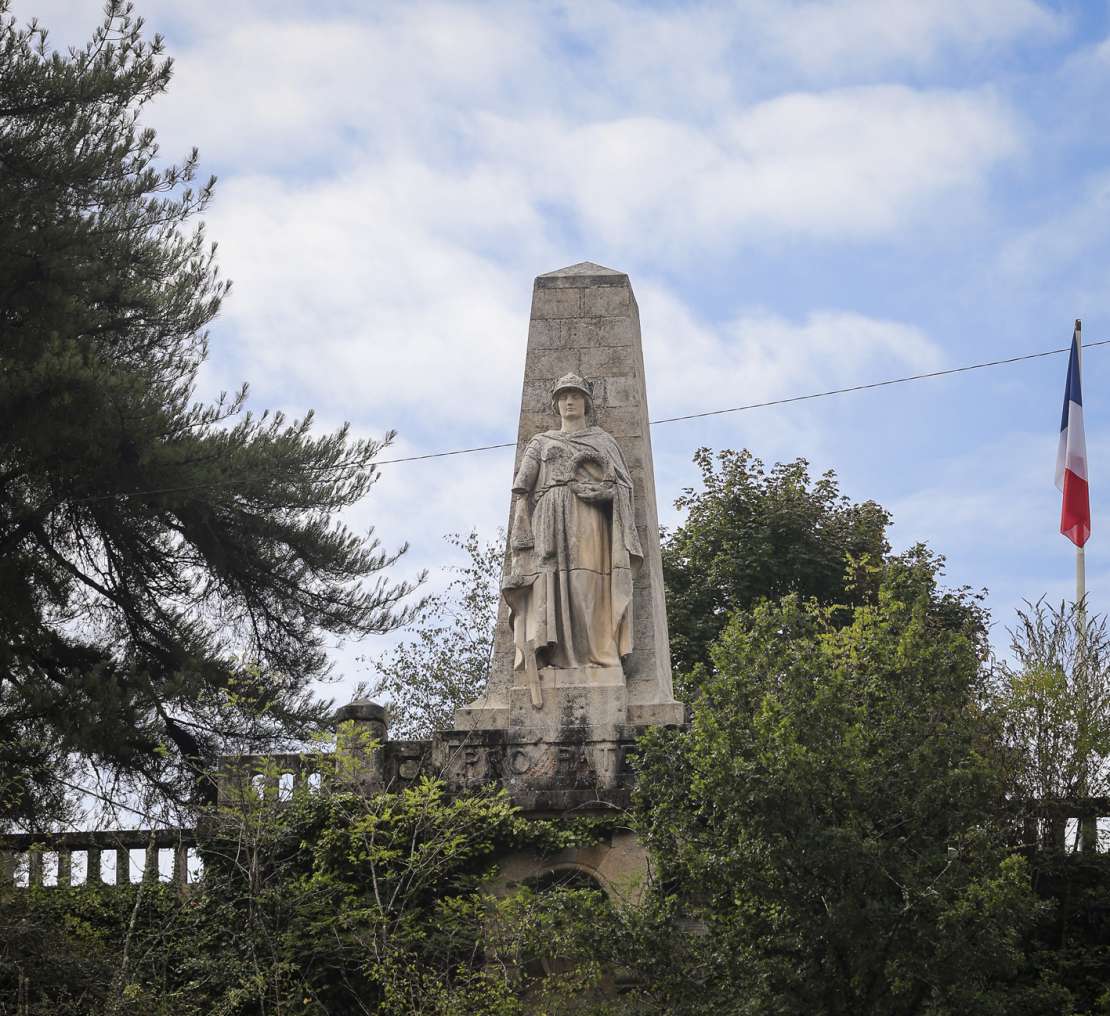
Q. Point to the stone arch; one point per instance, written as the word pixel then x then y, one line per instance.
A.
pixel 564 875
pixel 568 874
pixel 618 866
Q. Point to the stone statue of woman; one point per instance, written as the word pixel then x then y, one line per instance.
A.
pixel 574 550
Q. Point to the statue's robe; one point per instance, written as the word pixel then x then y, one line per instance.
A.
pixel 574 557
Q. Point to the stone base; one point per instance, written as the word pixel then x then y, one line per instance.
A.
pixel 586 677
pixel 587 698
pixel 657 714
pixel 600 706
pixel 474 717
pixel 544 770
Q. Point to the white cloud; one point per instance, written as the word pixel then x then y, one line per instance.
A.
pixel 677 54
pixel 859 162
pixel 299 90
pixel 695 57
pixel 1058 250
pixel 349 291
pixel 861 36
pixel 642 160
pixel 759 356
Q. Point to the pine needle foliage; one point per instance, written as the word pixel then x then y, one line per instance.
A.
pixel 169 568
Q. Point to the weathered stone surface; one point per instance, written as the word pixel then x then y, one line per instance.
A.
pixel 557 303
pixel 608 301
pixel 620 867
pixel 621 391
pixel 579 767
pixel 585 321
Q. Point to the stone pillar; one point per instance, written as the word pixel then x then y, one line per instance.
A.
pixel 585 321
pixel 360 734
pixel 8 864
pixel 561 739
pixel 34 866
pixel 150 863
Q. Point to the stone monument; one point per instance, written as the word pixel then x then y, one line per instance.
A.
pixel 581 660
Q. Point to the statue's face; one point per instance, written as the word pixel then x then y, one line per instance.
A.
pixel 571 403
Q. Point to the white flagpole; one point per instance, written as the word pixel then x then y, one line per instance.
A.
pixel 1087 837
pixel 1080 568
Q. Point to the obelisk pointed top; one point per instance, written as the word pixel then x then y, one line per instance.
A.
pixel 582 268
pixel 581 276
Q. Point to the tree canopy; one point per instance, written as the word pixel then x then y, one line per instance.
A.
pixel 328 903
pixel 170 567
pixel 447 663
pixel 837 814
pixel 751 533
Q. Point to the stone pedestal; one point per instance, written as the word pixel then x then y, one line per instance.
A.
pixel 568 706
pixel 545 770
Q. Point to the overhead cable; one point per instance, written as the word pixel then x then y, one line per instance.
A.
pixel 779 402
pixel 666 419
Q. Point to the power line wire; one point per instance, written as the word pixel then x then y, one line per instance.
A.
pixel 781 402
pixel 653 423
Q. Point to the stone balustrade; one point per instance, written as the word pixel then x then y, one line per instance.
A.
pixel 1067 825
pixel 273 776
pixel 78 858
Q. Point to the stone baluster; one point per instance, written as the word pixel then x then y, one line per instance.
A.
pixel 34 861
pixel 123 866
pixel 65 866
pixel 92 866
pixel 1029 832
pixel 150 862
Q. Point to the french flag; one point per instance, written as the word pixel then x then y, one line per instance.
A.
pixel 1071 459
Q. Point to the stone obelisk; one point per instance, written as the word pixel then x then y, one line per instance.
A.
pixel 585 322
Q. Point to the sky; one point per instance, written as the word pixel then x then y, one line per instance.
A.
pixel 805 195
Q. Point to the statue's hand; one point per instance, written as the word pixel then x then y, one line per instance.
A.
pixel 520 530
pixel 596 491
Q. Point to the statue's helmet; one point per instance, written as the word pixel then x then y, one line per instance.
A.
pixel 575 383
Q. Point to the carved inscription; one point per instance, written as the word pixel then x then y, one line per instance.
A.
pixel 519 762
pixel 560 764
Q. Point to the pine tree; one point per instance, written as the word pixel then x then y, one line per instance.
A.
pixel 169 569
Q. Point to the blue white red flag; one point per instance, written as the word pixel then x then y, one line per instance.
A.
pixel 1071 459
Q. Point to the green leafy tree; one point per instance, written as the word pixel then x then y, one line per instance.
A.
pixel 752 533
pixel 1052 693
pixel 426 678
pixel 328 903
pixel 169 569
pixel 837 815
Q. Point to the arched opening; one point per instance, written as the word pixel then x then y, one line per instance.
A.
pixel 562 878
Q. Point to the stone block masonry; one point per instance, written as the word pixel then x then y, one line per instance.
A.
pixel 585 320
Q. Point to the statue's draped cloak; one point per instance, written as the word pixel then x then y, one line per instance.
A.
pixel 569 590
